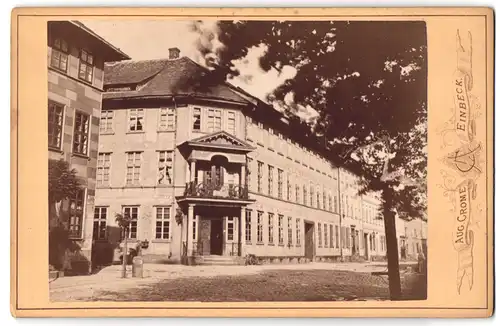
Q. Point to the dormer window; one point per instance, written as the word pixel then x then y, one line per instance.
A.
pixel 59 55
pixel 86 71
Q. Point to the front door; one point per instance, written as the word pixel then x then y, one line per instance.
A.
pixel 309 240
pixel 216 237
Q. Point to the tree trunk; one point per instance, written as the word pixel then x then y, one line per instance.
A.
pixel 124 256
pixel 392 246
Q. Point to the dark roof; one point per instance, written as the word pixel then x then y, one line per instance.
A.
pixel 113 53
pixel 156 78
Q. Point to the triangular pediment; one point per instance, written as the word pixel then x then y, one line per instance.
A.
pixel 223 139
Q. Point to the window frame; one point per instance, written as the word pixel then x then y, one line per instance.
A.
pixel 135 119
pixel 297 232
pixel 197 112
pixel 110 115
pixel 167 165
pixel 170 119
pixel 101 166
pixel 260 227
pixel 61 52
pixel 81 133
pixel 80 224
pixel 87 65
pixel 248 226
pixel 134 167
pixel 100 220
pixel 134 223
pixel 281 233
pixel 53 104
pixel 270 225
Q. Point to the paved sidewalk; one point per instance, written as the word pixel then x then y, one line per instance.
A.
pixel 110 277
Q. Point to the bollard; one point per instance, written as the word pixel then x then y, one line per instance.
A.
pixel 137 267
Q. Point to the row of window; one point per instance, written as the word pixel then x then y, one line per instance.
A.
pixel 162 222
pixel 284 146
pixel 80 130
pixel 134 162
pixel 59 60
pixel 312 196
pixel 206 119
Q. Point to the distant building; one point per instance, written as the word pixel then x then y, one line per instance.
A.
pixel 75 59
pixel 209 170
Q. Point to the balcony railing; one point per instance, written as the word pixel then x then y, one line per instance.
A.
pixel 213 190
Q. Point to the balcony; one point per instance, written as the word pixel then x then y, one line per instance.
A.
pixel 216 191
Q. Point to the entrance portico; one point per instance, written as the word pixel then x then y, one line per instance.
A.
pixel 215 196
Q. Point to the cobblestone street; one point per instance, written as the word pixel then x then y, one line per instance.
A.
pixel 308 282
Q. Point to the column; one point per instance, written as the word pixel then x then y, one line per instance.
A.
pixel 189 241
pixel 242 231
pixel 193 170
pixel 242 176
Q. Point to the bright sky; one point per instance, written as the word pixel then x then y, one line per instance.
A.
pixel 151 39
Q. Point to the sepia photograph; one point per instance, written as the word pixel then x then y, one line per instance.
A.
pixel 237 160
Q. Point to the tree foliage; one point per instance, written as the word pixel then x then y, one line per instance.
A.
pixel 63 181
pixel 368 82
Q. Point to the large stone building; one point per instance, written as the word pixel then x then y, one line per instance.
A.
pixel 206 170
pixel 75 59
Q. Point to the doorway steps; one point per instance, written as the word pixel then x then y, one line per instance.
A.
pixel 219 260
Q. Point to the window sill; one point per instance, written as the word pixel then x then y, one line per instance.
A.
pixel 260 243
pixel 132 186
pixel 103 187
pixel 106 133
pixel 165 130
pixel 80 155
pixel 260 144
pixel 56 150
pixel 135 132
pixel 75 238
pixel 298 245
pixel 281 245
pixel 161 241
pixel 90 83
pixel 270 244
pixel 248 243
pixel 281 154
pixel 271 149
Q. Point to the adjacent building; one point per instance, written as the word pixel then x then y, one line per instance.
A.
pixel 206 170
pixel 75 60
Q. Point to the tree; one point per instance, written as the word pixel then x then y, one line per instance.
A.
pixel 123 221
pixel 367 81
pixel 63 185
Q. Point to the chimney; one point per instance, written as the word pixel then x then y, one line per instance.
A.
pixel 174 53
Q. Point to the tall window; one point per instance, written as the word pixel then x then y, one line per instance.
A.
pixel 297 231
pixel 311 196
pixel 336 236
pixel 281 240
pixel 106 123
pixel 249 172
pixel 55 124
pixel 231 122
pixel 271 228
pixel 133 168
pixel 165 162
pixel 324 200
pixel 330 203
pixel 270 186
pixel 260 174
pixel 297 193
pixel 162 223
pixel 304 189
pixel 382 243
pixel 59 55
pixel 318 204
pixel 335 208
pixel 81 133
pixel 320 236
pixel 230 229
pixel 248 226
pixel 288 188
pixel 167 119
pixel 331 236
pixel 76 211
pixel 260 227
pixel 136 120
pixel 342 237
pixel 99 230
pixel 290 231
pixel 133 213
pixel 214 122
pixel 196 119
pixel 86 71
pixel 325 230
pixel 280 183
pixel 103 168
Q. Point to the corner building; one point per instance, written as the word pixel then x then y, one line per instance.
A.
pixel 207 172
pixel 75 60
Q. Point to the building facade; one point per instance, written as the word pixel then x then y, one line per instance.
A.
pixel 75 60
pixel 208 170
